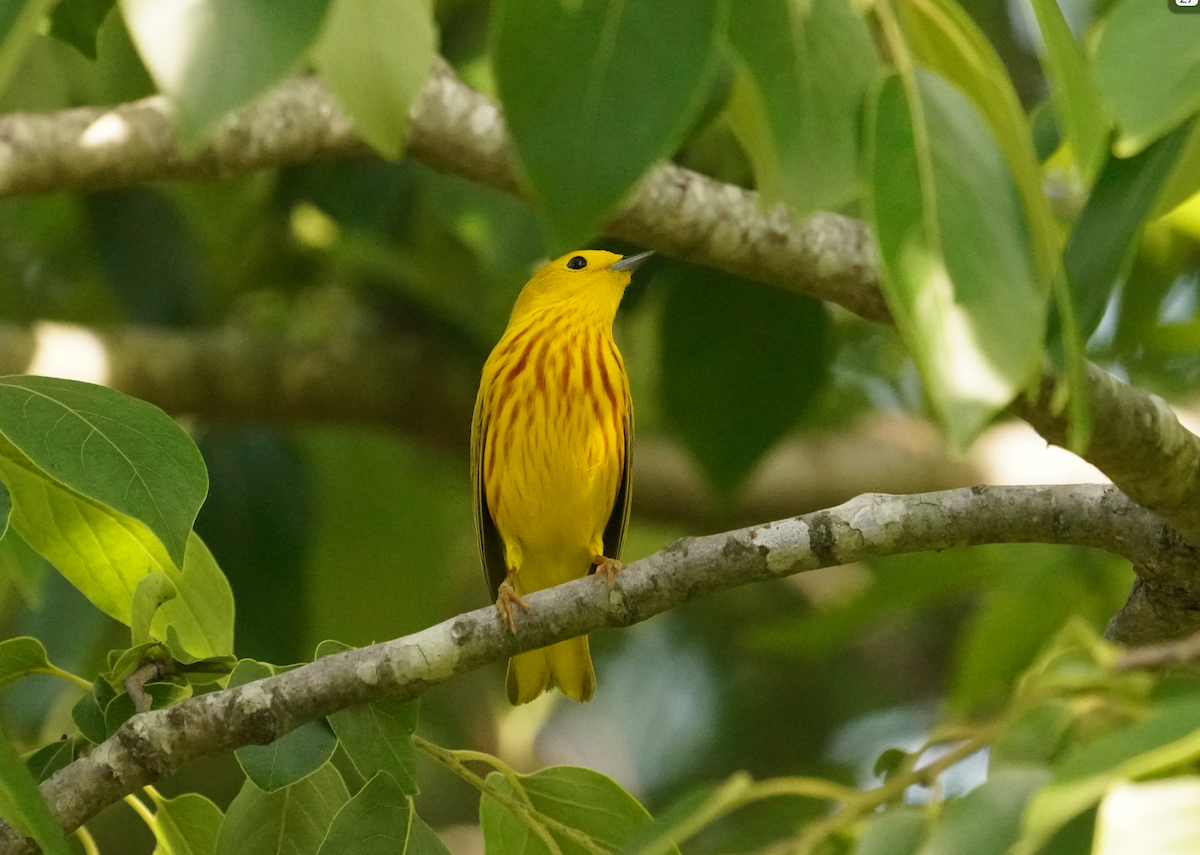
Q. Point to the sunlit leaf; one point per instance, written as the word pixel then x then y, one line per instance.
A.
pixel 19 22
pixel 804 73
pixel 957 271
pixel 596 91
pixel 375 56
pixel 112 448
pixel 1151 818
pixel 20 657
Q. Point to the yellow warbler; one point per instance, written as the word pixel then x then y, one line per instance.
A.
pixel 550 448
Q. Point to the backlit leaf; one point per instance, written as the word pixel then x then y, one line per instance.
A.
pixel 956 267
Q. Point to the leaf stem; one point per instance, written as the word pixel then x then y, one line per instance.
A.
pixel 87 841
pixel 523 809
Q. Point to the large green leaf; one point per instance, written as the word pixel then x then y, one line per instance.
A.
pixel 112 448
pixel 719 333
pixel 1147 67
pixel 1073 90
pixel 212 56
pixel 375 55
pixel 293 756
pixel 897 832
pixel 381 820
pixel 945 39
pixel 377 736
pixel 956 266
pixel 106 554
pixel 1154 818
pixel 290 821
pixel 186 825
pixel 1104 235
pixel 578 798
pixel 804 73
pixel 22 804
pixel 596 91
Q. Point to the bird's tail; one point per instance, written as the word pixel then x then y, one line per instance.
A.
pixel 567 665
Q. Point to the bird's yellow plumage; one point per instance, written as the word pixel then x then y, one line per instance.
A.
pixel 550 452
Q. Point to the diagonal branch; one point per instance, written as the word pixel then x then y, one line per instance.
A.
pixel 154 744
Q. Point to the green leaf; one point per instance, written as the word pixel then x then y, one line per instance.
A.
pixel 293 820
pixel 381 820
pixel 1074 93
pixel 212 56
pixel 88 712
pixel 19 22
pixel 375 56
pixel 1184 180
pixel 106 554
pixel 5 509
pixel 578 798
pixel 804 73
pixel 956 268
pixel 1154 818
pixel 151 592
pixel 897 832
pixel 293 756
pixel 1107 228
pixel 987 820
pixel 186 825
pixel 1168 737
pixel 1147 65
pixel 24 567
pixel 76 22
pixel 946 40
pixel 47 760
pixel 377 736
pixel 22 805
pixel 20 657
pixel 594 93
pixel 112 448
pixel 721 335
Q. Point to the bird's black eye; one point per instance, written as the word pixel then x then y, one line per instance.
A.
pixel 577 263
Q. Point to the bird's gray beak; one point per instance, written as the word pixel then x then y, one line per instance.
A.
pixel 630 262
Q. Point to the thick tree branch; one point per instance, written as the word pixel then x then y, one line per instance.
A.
pixel 152 745
pixel 1137 443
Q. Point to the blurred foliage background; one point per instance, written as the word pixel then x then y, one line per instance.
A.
pixel 358 532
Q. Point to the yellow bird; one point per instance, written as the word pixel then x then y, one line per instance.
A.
pixel 550 446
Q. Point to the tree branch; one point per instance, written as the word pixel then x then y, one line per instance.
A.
pixel 154 744
pixel 1137 442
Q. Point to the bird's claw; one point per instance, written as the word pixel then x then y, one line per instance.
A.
pixel 506 595
pixel 608 568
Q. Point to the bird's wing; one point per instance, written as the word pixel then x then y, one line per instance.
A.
pixel 491 547
pixel 614 530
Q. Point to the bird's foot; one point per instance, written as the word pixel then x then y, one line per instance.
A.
pixel 608 568
pixel 506 596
